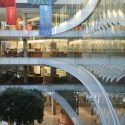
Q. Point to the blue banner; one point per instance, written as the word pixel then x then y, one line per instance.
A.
pixel 46 20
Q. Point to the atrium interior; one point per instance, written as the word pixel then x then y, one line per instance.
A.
pixel 73 51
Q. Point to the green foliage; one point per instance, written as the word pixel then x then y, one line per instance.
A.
pixel 22 106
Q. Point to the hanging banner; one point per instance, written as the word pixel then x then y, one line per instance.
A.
pixel 46 20
pixel 11 15
pixel 5 3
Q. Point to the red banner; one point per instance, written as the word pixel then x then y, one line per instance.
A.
pixel 5 3
pixel 11 15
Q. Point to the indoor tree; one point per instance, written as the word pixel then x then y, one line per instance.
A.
pixel 21 105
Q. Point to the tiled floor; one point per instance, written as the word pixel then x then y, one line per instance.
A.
pixel 53 119
pixel 50 119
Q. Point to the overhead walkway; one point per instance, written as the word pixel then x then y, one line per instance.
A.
pixel 53 88
pixel 107 71
pixel 100 66
pixel 109 33
pixel 40 2
pixel 95 59
pixel 93 86
pixel 76 88
pixel 73 33
pixel 43 88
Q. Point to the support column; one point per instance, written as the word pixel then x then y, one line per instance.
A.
pixel 69 77
pixel 24 21
pixel 25 55
pixel 0 49
pixel 0 56
pixel 25 74
pixel 53 74
pixel 53 107
pixel 25 47
pixel 53 71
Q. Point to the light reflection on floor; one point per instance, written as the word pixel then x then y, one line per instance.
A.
pixel 53 119
pixel 84 114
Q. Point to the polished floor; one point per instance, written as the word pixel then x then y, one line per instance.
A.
pixel 83 113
